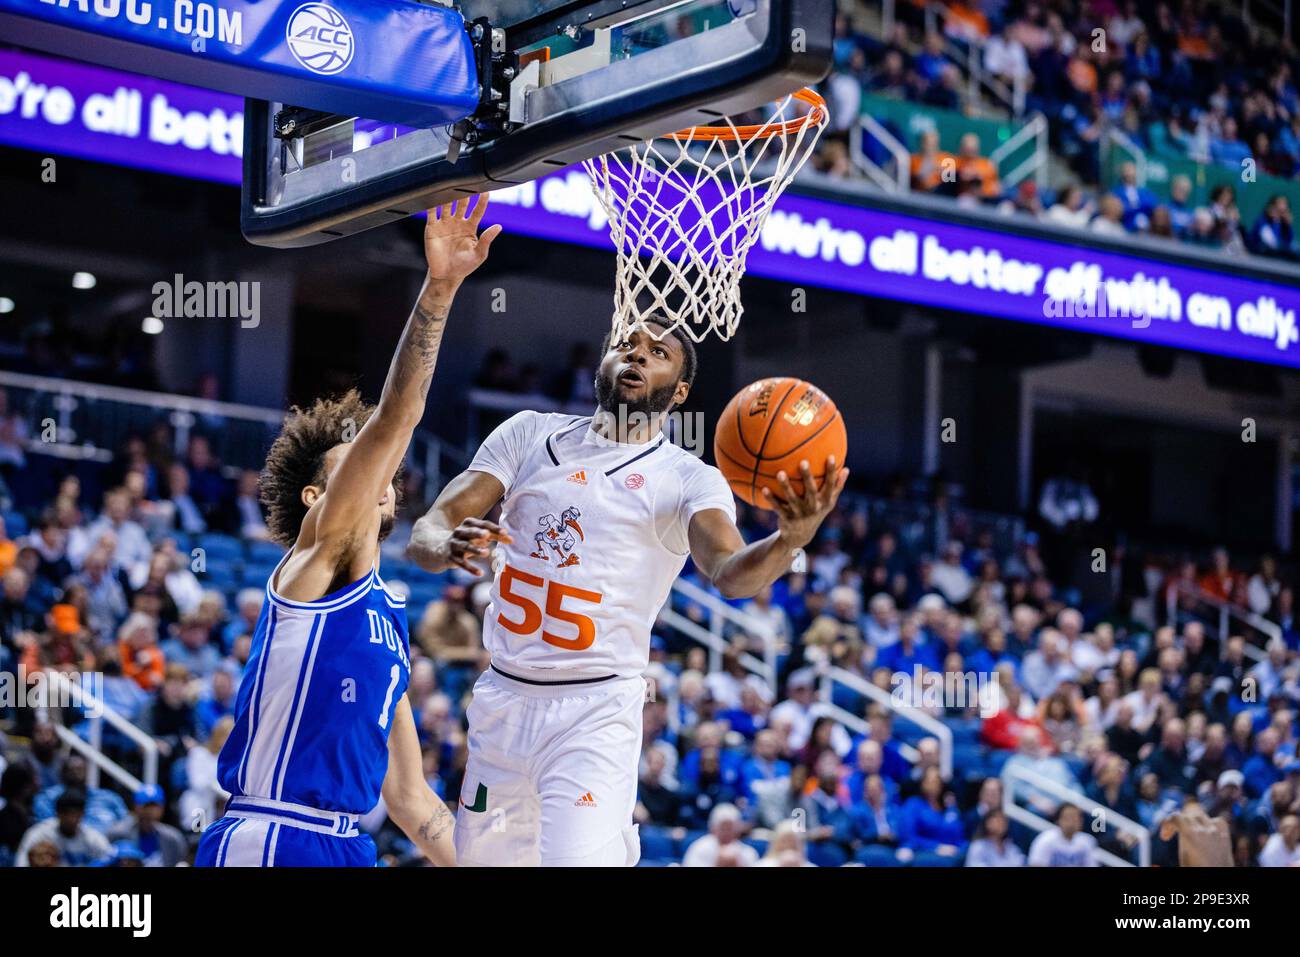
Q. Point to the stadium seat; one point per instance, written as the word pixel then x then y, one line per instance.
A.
pixel 15 524
pixel 877 855
pixel 657 843
pixel 254 575
pixel 826 854
pixel 968 758
pixel 221 546
pixel 218 573
pixel 265 552
pixel 931 859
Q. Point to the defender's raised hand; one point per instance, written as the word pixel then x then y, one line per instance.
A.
pixel 799 516
pixel 469 541
pixel 453 247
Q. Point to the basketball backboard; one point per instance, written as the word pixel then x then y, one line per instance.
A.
pixel 560 81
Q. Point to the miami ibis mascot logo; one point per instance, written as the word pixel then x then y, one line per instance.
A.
pixel 556 539
pixel 320 39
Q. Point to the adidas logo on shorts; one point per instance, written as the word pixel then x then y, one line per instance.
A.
pixel 585 801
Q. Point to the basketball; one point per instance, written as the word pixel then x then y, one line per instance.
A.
pixel 771 426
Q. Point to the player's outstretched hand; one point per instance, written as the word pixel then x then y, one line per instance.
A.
pixel 799 516
pixel 453 247
pixel 469 541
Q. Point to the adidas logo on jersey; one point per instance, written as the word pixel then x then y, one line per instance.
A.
pixel 578 478
pixel 585 801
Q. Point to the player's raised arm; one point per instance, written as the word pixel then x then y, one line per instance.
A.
pixel 741 571
pixel 454 532
pixel 453 249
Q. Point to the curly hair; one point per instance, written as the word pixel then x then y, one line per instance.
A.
pixel 297 458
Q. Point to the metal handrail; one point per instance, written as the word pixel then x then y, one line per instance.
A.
pixel 430 450
pixel 901 181
pixel 158 400
pixel 99 712
pixel 1069 796
pixel 98 761
pixel 1226 613
pixel 1282 12
pixel 183 412
pixel 1034 128
pixel 1011 98
pixel 717 646
pixel 113 412
pixel 721 614
pixel 1138 153
pixel 831 675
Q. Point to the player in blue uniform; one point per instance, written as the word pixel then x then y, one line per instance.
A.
pixel 323 726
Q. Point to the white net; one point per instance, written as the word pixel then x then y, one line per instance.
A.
pixel 684 211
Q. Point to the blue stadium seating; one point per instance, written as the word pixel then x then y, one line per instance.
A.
pixel 877 855
pixel 826 854
pixel 657 844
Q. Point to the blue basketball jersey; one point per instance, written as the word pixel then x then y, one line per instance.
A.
pixel 317 699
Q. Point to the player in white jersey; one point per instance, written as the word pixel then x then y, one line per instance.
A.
pixel 599 515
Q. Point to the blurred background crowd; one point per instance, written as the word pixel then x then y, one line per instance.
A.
pixel 1127 89
pixel 1120 694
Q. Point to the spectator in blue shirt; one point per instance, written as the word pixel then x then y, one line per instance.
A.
pixel 1181 210
pixel 1142 61
pixel 992 654
pixel 1226 149
pixel 765 764
pixel 876 818
pixel 1272 234
pixel 881 730
pixel 870 758
pixel 248 608
pixel 190 647
pixel 713 785
pixel 103 807
pixel 218 701
pixel 930 63
pixel 709 738
pixel 931 822
pixel 846 42
pixel 1139 202
pixel 207 486
pixel 907 652
pixel 186 514
pixel 1260 771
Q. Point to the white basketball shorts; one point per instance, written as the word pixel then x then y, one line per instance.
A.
pixel 552 774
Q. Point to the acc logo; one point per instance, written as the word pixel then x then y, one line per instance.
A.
pixel 319 38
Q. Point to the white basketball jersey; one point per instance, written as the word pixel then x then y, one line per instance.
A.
pixel 600 532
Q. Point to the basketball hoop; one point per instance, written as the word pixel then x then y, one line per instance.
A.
pixel 685 209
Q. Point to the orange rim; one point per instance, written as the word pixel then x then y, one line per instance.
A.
pixel 788 128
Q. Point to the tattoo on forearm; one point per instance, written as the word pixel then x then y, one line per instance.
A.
pixel 438 824
pixel 418 353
